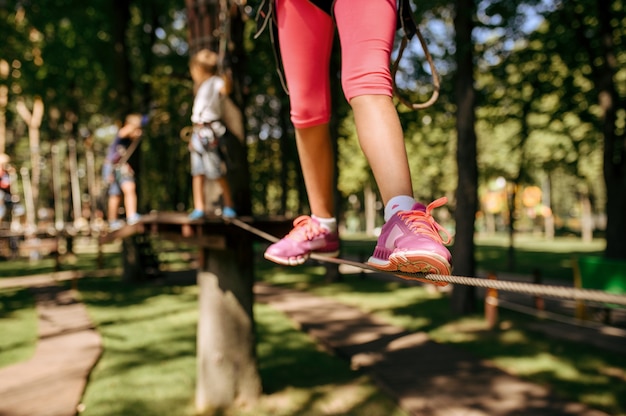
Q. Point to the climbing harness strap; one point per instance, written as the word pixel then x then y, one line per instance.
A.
pixel 409 30
pixel 264 18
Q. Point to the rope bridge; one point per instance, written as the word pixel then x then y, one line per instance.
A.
pixel 533 289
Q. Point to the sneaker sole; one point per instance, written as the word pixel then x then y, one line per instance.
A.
pixel 413 262
pixel 295 261
pixel 420 266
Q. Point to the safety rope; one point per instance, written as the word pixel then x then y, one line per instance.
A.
pixel 534 289
pixel 410 29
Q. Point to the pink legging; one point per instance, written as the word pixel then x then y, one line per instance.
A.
pixel 366 31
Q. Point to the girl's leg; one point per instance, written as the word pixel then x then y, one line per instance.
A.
pixel 226 194
pixel 197 189
pixel 306 36
pixel 112 207
pixel 381 138
pixel 198 172
pixel 410 239
pixel 316 159
pixel 366 35
pixel 130 198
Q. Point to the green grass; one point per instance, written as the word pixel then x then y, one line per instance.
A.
pixel 154 373
pixel 148 363
pixel 552 258
pixel 18 326
pixel 85 258
pixel 580 373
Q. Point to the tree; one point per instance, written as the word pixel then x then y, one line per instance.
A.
pixel 593 25
pixel 227 371
pixel 467 189
pixel 614 136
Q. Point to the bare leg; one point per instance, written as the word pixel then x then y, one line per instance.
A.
pixel 226 194
pixel 310 235
pixel 197 188
pixel 130 198
pixel 382 140
pixel 316 158
pixel 113 206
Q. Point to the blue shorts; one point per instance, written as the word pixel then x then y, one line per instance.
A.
pixel 207 162
pixel 121 175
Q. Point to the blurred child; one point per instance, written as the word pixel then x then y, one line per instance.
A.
pixel 5 186
pixel 206 157
pixel 119 175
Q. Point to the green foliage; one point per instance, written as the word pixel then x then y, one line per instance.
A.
pixel 538 113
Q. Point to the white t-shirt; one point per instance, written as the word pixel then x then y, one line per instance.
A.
pixel 207 104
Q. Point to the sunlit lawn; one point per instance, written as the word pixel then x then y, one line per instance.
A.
pixel 18 326
pixel 148 367
pixel 552 258
pixel 578 372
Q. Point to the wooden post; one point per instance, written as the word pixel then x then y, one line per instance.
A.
pixel 4 99
pixel 581 309
pixel 91 179
pixel 491 304
pixel 29 202
pixel 539 303
pixel 59 224
pixel 33 121
pixel 226 359
pixel 131 265
pixel 4 93
pixel 79 221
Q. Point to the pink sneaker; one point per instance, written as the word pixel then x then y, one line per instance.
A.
pixel 307 237
pixel 410 242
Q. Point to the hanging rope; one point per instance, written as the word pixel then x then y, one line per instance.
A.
pixel 410 29
pixel 435 76
pixel 534 289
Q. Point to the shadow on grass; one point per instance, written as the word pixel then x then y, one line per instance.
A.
pixel 149 333
pixel 86 261
pixel 14 300
pixel 288 358
pixel 18 325
pixel 149 336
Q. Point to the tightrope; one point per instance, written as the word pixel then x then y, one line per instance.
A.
pixel 534 289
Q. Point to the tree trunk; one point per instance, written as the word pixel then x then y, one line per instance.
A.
pixel 614 149
pixel 546 201
pixel 227 369
pixel 4 99
pixel 586 218
pixel 463 297
pixel 603 63
pixel 124 82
